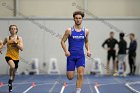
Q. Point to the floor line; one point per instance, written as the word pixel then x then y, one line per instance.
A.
pixel 52 88
pixel 28 89
pixel 90 87
pixel 128 85
pixel 97 90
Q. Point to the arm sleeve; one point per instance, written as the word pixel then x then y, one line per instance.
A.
pixel 105 42
pixel 117 42
pixel 134 47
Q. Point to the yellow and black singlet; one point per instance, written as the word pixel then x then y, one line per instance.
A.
pixel 12 49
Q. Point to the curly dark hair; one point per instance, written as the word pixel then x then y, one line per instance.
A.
pixel 78 13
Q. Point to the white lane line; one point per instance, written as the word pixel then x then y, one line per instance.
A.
pixel 68 84
pixel 128 85
pixel 28 89
pixel 110 84
pixel 63 88
pixel 90 87
pixel 52 88
pixel 119 81
pixel 96 89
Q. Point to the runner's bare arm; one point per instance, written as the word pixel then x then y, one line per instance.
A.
pixel 20 44
pixel 87 43
pixel 64 39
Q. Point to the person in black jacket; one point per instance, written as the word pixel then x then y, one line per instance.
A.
pixel 132 54
pixel 121 56
pixel 110 42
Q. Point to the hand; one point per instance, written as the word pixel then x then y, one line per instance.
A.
pixel 114 49
pixel 67 53
pixel 0 51
pixel 88 53
pixel 15 40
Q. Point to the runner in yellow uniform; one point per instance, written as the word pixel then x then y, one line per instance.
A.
pixel 14 44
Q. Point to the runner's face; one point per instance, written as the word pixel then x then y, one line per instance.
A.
pixel 13 30
pixel 78 19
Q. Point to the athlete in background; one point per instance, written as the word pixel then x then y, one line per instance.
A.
pixel 122 46
pixel 132 54
pixel 111 42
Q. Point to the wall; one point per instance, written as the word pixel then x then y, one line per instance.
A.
pixel 114 7
pixel 5 12
pixel 64 8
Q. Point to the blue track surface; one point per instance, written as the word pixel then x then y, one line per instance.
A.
pixel 53 84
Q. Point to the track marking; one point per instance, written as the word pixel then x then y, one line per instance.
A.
pixel 132 89
pixel 63 87
pixel 90 87
pixel 119 81
pixel 96 89
pixel 52 88
pixel 28 89
pixel 1 84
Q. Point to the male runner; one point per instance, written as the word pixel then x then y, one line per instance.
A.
pixel 14 44
pixel 77 36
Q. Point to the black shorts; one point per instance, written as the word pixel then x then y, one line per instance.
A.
pixel 111 55
pixel 15 61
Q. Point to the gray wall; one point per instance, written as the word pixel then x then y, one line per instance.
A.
pixel 42 44
pixel 64 8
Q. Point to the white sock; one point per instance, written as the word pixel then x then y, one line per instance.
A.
pixel 11 77
pixel 78 90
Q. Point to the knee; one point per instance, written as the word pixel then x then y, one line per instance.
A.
pixel 80 75
pixel 69 77
pixel 12 68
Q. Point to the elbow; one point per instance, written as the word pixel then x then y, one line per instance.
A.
pixel 21 48
pixel 62 43
pixel 102 46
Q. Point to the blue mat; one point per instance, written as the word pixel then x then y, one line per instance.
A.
pixel 53 84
